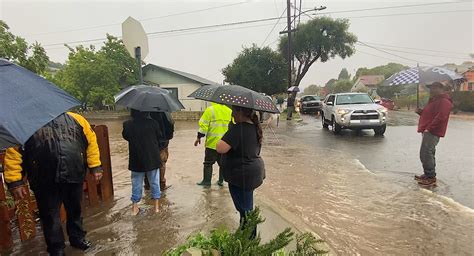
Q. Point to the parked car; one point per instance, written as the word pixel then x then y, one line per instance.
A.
pixel 310 104
pixel 387 103
pixel 355 111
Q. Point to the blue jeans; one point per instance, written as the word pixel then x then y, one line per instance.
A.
pixel 137 184
pixel 243 201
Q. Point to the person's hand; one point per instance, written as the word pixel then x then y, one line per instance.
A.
pixel 19 192
pixel 98 176
pixel 197 142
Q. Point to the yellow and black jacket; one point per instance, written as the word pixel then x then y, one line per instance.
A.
pixel 59 152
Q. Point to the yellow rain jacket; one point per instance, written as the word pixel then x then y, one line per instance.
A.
pixel 214 123
pixel 14 157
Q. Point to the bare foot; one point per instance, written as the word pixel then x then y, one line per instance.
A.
pixel 135 210
pixel 157 206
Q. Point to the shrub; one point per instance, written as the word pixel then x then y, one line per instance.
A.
pixel 240 242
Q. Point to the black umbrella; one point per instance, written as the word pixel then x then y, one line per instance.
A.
pixel 27 103
pixel 148 98
pixel 235 95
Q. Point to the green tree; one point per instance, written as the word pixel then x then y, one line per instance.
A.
pixel 385 70
pixel 16 49
pixel 312 90
pixel 344 75
pixel 321 38
pixel 94 76
pixel 259 69
pixel 342 86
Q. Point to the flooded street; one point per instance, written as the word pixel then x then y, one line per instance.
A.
pixel 358 192
pixel 355 190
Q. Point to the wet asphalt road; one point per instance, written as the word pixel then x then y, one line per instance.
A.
pixel 395 155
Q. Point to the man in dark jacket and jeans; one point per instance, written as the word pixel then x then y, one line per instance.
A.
pixel 432 125
pixel 55 160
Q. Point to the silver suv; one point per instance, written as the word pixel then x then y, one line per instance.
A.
pixel 354 111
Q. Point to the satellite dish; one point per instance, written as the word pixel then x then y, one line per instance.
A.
pixel 133 36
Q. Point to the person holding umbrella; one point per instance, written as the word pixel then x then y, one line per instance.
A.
pixel 432 125
pixel 143 136
pixel 242 165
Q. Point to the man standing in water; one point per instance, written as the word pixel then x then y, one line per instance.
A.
pixel 290 104
pixel 432 125
pixel 213 124
pixel 55 160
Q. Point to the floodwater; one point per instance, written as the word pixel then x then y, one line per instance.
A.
pixel 186 207
pixel 355 190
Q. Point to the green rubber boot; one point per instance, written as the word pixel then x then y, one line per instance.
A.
pixel 207 175
pixel 220 182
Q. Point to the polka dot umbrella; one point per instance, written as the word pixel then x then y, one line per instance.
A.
pixel 235 95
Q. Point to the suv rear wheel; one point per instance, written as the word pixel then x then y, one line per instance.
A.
pixel 336 128
pixel 379 131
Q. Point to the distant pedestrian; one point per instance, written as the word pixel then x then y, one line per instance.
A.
pixel 143 136
pixel 432 125
pixel 166 122
pixel 213 125
pixel 290 106
pixel 243 167
pixel 55 160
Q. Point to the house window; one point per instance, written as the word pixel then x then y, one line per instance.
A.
pixel 173 92
pixel 470 86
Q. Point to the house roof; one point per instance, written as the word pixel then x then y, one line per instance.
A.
pixel 181 73
pixel 371 80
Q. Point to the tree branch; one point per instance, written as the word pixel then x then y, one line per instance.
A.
pixel 305 69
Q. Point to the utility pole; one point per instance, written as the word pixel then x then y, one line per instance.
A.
pixel 290 55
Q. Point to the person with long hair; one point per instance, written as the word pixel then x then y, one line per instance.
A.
pixel 243 168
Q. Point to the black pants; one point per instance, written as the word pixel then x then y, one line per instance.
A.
pixel 243 202
pixel 49 199
pixel 210 158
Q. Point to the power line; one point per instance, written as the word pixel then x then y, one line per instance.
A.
pixel 421 54
pixel 189 33
pixel 145 19
pixel 419 49
pixel 177 30
pixel 269 33
pixel 407 14
pixel 383 57
pixel 391 7
pixel 402 57
pixel 234 24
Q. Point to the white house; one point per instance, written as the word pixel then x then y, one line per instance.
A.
pixel 368 84
pixel 179 83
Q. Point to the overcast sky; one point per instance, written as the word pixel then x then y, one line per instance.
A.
pixel 438 34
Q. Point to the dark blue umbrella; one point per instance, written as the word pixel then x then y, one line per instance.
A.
pixel 27 103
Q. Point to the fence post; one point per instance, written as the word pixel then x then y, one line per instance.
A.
pixel 106 184
pixel 6 240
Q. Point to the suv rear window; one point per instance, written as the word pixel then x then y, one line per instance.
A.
pixel 309 98
pixel 353 99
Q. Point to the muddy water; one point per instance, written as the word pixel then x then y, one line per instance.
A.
pixel 359 211
pixel 330 191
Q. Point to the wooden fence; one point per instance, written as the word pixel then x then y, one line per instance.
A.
pixel 23 212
